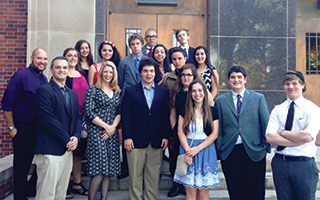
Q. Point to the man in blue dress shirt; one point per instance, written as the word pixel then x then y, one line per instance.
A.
pixel 145 126
pixel 18 108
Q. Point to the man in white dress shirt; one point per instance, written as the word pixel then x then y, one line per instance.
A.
pixel 292 128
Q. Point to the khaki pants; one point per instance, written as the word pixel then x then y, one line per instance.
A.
pixel 53 175
pixel 147 160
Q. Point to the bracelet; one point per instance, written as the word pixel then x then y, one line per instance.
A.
pixel 114 126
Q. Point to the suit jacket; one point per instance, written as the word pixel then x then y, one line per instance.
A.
pixel 190 59
pixel 144 50
pixel 251 125
pixel 56 123
pixel 141 124
pixel 126 73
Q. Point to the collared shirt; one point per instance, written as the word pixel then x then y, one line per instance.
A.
pixel 186 50
pixel 235 99
pixel 148 93
pixel 306 113
pixel 19 95
pixel 65 93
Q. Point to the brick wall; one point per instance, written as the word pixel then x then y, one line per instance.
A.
pixel 13 43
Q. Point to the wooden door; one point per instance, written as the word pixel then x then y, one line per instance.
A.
pixel 165 24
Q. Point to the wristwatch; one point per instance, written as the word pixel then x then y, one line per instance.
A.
pixel 11 128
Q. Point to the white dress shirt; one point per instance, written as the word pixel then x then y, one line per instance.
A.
pixel 305 113
pixel 235 100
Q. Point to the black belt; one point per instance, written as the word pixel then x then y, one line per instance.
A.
pixel 294 158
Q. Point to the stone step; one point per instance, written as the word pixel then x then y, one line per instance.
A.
pixel 213 194
pixel 166 183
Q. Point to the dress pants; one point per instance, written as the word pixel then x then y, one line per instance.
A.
pixel 23 147
pixel 245 178
pixel 145 163
pixel 53 175
pixel 294 179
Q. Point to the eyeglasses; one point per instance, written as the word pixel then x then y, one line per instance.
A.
pixel 151 36
pixel 186 75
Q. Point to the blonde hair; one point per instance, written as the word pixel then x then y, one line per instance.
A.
pixel 114 82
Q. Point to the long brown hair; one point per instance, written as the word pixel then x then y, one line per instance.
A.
pixel 78 66
pixel 114 82
pixel 178 84
pixel 190 113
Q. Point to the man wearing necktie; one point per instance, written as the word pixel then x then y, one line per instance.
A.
pixel 241 144
pixel 182 36
pixel 151 38
pixel 128 69
pixel 19 112
pixel 293 127
pixel 128 75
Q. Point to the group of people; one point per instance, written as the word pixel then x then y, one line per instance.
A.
pixel 152 99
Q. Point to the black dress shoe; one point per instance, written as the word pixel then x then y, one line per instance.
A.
pixel 175 190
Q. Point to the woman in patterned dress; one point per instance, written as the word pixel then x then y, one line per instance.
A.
pixel 206 70
pixel 102 109
pixel 200 122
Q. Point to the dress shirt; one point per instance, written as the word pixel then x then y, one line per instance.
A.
pixel 186 49
pixel 65 93
pixel 305 113
pixel 148 93
pixel 235 99
pixel 139 58
pixel 19 95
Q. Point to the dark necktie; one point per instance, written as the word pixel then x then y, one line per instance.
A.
pixel 239 104
pixel 185 50
pixel 136 66
pixel 42 79
pixel 289 122
pixel 150 53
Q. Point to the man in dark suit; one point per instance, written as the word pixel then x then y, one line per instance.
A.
pixel 18 109
pixel 145 126
pixel 241 144
pixel 182 36
pixel 128 75
pixel 58 132
pixel 151 38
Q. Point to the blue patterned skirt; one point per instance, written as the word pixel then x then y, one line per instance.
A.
pixel 203 173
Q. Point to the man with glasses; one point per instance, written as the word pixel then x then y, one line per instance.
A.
pixel 151 38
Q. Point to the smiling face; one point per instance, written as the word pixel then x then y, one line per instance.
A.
pixel 107 74
pixel 197 93
pixel 200 56
pixel 84 50
pixel 178 60
pixel 237 81
pixel 135 46
pixel 160 54
pixel 39 60
pixel 293 89
pixel 186 78
pixel 59 70
pixel 72 57
pixel 147 75
pixel 106 52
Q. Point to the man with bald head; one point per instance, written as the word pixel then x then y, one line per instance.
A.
pixel 22 122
